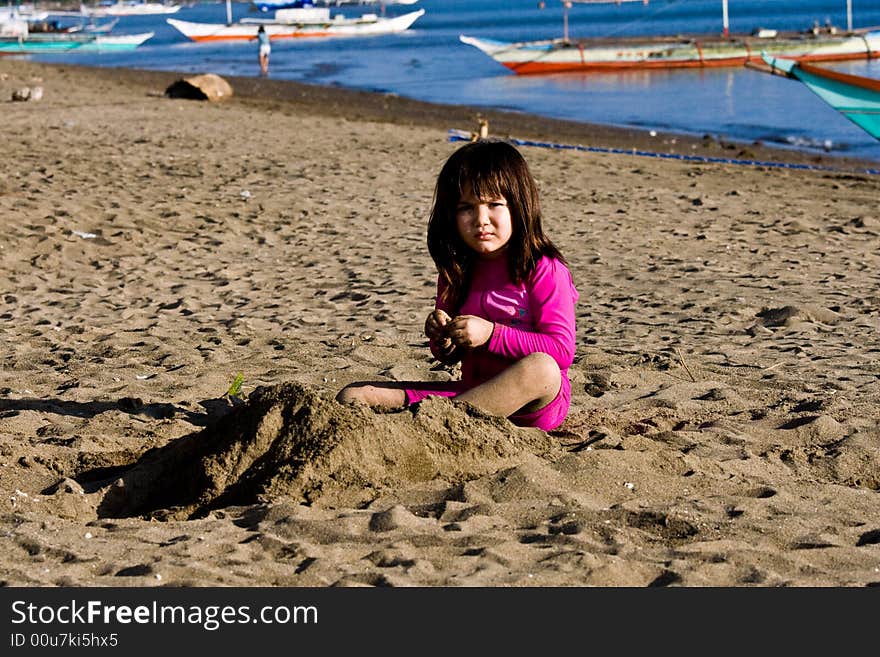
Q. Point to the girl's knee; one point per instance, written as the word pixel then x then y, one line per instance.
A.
pixel 542 369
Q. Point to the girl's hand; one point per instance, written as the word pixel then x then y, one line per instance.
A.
pixel 469 331
pixel 435 325
pixel 435 329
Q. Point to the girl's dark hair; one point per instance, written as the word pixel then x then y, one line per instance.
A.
pixel 489 168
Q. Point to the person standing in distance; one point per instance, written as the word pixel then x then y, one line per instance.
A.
pixel 265 50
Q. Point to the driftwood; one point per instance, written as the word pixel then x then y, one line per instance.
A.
pixel 200 87
pixel 27 93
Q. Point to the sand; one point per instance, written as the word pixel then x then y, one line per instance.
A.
pixel 724 423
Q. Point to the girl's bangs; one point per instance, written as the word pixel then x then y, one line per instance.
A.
pixel 488 169
pixel 483 177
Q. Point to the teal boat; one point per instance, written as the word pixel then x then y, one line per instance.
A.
pixel 43 43
pixel 854 96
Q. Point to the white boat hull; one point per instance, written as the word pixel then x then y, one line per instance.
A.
pixel 121 41
pixel 133 9
pixel 337 26
pixel 272 5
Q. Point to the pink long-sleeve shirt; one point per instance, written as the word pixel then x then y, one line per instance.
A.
pixel 536 315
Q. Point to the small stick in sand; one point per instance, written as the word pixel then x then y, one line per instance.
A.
pixel 684 365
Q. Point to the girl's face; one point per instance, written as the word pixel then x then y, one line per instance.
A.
pixel 484 224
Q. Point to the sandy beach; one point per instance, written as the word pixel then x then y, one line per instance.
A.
pixel 725 424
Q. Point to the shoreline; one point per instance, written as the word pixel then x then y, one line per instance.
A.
pixel 339 102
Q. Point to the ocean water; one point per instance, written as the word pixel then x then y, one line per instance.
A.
pixel 429 63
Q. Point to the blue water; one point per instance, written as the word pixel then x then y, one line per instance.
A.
pixel 429 63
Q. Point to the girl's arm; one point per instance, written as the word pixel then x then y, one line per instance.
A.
pixel 552 296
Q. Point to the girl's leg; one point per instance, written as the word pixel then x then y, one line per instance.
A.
pixel 528 385
pixel 395 394
pixel 375 394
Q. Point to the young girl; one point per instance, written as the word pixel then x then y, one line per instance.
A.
pixel 505 298
pixel 265 50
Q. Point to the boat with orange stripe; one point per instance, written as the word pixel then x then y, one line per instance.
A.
pixel 825 44
pixel 296 23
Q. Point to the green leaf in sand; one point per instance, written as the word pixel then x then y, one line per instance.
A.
pixel 235 389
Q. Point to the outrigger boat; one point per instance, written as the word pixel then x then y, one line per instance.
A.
pixel 132 9
pixel 296 23
pixel 274 5
pixel 690 51
pixel 854 96
pixel 16 37
pixel 65 22
pixel 48 42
